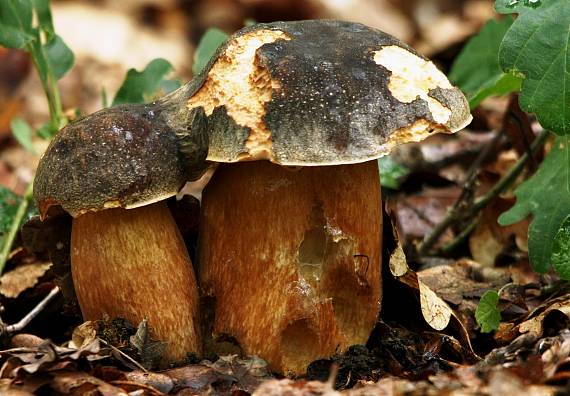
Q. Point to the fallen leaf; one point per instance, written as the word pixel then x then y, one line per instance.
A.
pixel 83 335
pixel 21 278
pixel 291 388
pixel 435 311
pixel 535 321
pixel 158 381
pixel 78 383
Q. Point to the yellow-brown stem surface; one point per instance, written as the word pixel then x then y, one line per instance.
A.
pixel 292 258
pixel 133 264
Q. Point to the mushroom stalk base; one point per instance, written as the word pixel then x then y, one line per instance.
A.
pixel 134 264
pixel 291 259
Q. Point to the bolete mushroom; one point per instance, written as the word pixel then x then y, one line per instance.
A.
pixel 291 257
pixel 112 172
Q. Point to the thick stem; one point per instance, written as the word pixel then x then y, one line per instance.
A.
pixel 292 258
pixel 133 264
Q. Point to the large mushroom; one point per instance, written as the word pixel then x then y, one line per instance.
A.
pixel 290 238
pixel 112 172
pixel 291 227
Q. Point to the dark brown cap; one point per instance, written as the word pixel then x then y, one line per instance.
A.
pixel 126 156
pixel 320 93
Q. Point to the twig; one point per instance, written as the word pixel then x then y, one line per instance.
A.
pixel 130 359
pixel 480 203
pixel 511 175
pixel 33 313
pixel 11 235
pixel 467 194
pixel 450 246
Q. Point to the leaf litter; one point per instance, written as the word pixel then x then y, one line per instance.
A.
pixel 427 340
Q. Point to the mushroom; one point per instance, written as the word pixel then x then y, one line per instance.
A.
pixel 112 172
pixel 291 227
pixel 290 237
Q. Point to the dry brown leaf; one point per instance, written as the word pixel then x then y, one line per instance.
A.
pixel 197 378
pixel 535 324
pixel 398 264
pixel 287 387
pixel 78 383
pixel 83 335
pixel 26 341
pixel 158 381
pixel 21 278
pixel 434 310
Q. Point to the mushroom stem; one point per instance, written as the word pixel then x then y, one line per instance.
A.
pixel 133 264
pixel 292 258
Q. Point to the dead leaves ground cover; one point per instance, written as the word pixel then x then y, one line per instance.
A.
pixel 427 341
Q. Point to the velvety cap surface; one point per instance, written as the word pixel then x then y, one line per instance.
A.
pixel 321 92
pixel 119 157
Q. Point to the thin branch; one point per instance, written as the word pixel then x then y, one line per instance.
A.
pixel 33 313
pixel 130 359
pixel 466 195
pixel 511 175
pixel 463 235
pixel 455 213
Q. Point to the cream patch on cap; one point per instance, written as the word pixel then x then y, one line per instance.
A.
pixel 413 76
pixel 243 87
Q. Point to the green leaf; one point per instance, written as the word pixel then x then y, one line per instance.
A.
pixel 511 6
pixel 8 207
pixel 43 11
pixel 47 131
pixel 537 47
pixel 23 133
pixel 207 47
pixel 391 172
pixel 487 314
pixel 15 23
pixel 476 70
pixel 503 85
pixel 561 250
pixel 546 196
pixel 139 87
pixel 59 56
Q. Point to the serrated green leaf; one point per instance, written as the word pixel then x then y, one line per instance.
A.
pixel 561 250
pixel 207 47
pixel 139 87
pixel 476 70
pixel 23 133
pixel 391 172
pixel 545 196
pixel 487 314
pixel 537 47
pixel 511 6
pixel 15 23
pixel 60 57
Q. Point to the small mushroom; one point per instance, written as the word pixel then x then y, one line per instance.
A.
pixel 112 172
pixel 291 235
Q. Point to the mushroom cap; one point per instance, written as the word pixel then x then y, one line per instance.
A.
pixel 320 93
pixel 125 156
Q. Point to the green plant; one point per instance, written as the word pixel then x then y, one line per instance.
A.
pixel 28 25
pixel 531 55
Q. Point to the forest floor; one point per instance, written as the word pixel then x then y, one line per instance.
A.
pixel 441 255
